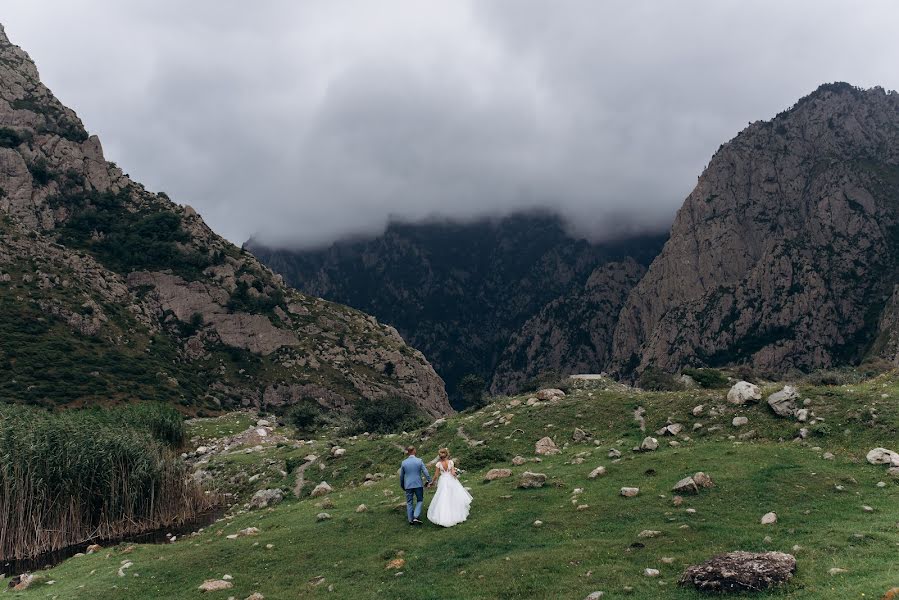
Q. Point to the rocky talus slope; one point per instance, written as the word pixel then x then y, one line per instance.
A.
pixel 111 293
pixel 785 254
pixel 471 295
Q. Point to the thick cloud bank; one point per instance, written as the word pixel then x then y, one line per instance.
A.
pixel 305 121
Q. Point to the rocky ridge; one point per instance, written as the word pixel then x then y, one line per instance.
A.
pixel 784 255
pixel 111 292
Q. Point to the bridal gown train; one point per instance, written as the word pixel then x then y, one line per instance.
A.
pixel 451 503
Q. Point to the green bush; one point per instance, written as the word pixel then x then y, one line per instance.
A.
pixel 707 378
pixel 658 380
pixel 387 415
pixel 9 138
pixel 306 416
pixel 472 388
pixel 482 456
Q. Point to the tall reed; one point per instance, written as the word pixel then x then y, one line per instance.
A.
pixel 79 475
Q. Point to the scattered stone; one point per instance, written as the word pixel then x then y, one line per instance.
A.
pixel 93 548
pixel 583 506
pixel 266 498
pixel 697 410
pixel 703 480
pixel 580 435
pixel 836 571
pixel 893 472
pixel 322 516
pixel 337 452
pixel 549 394
pixel 597 472
pixel 741 571
pixel 686 486
pixel 744 392
pixel 538 523
pixel 22 582
pixel 396 563
pixel 783 403
pixel 494 474
pixel 802 415
pixel 215 585
pixel 532 480
pixel 546 447
pixel 740 421
pixel 613 453
pixel 594 596
pixel 672 429
pixel 255 596
pixel 651 572
pixel 321 489
pixel 629 492
pixel 677 500
pixel 361 508
pixel 769 518
pixel 868 509
pixel 828 456
pixel 518 461
pixel 882 456
pixel 649 533
pixel 881 484
pixel 649 444
pixel 803 433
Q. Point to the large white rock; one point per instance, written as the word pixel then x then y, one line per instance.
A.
pixel 322 489
pixel 769 518
pixel 649 444
pixel 744 392
pixel 550 394
pixel 783 403
pixel 546 446
pixel 882 456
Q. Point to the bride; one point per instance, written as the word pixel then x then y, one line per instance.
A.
pixel 452 501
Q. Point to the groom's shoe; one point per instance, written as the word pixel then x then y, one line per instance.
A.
pixel 416 521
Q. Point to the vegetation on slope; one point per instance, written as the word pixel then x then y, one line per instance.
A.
pixel 499 553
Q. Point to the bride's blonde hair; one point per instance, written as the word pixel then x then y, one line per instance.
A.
pixel 443 453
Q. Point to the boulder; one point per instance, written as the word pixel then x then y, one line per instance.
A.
pixel 686 486
pixel 580 435
pixel 649 444
pixel 882 456
pixel 597 472
pixel 613 453
pixel 594 596
pixel 739 421
pixel 494 474
pixel 361 508
pixel 672 429
pixel 266 498
pixel 321 489
pixel 629 492
pixel 783 403
pixel 741 571
pixel 518 461
pixel 337 452
pixel 703 480
pixel 322 516
pixel 769 518
pixel 744 392
pixel 532 480
pixel 546 447
pixel 215 585
pixel 549 394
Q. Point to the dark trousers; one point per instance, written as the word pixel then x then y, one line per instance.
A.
pixel 413 511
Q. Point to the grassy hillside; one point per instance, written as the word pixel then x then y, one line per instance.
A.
pixel 499 553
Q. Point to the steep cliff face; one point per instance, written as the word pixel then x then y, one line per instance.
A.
pixel 785 253
pixel 458 291
pixel 571 334
pixel 109 292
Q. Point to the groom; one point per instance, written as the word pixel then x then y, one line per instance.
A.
pixel 411 471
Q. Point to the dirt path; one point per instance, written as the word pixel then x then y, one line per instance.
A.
pixel 301 478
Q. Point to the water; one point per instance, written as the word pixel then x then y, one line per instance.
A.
pixel 157 536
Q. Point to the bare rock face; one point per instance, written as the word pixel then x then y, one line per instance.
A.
pixel 741 572
pixel 784 253
pixel 187 316
pixel 783 403
pixel 572 334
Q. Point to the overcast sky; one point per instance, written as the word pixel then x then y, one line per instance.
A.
pixel 303 121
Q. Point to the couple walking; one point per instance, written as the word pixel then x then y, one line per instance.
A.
pixel 451 502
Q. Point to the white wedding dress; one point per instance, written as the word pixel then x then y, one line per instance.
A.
pixel 451 503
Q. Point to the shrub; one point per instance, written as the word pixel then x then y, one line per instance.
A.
pixel 707 378
pixel 9 138
pixel 387 415
pixel 306 416
pixel 659 380
pixel 40 172
pixel 482 456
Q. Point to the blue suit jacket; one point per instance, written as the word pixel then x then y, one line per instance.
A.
pixel 411 471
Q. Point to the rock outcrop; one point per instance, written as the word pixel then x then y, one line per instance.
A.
pixel 741 572
pixel 785 253
pixel 127 295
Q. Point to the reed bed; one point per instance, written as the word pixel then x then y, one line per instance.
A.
pixel 73 476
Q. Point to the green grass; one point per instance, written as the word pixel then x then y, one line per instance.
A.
pixel 498 553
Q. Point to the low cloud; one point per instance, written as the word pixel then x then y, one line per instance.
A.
pixel 302 122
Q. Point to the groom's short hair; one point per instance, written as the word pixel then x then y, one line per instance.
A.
pixel 410 449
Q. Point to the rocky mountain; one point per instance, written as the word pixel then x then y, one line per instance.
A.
pixel 785 254
pixel 110 293
pixel 506 299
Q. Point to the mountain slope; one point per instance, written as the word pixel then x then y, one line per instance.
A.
pixel 110 293
pixel 459 291
pixel 785 253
